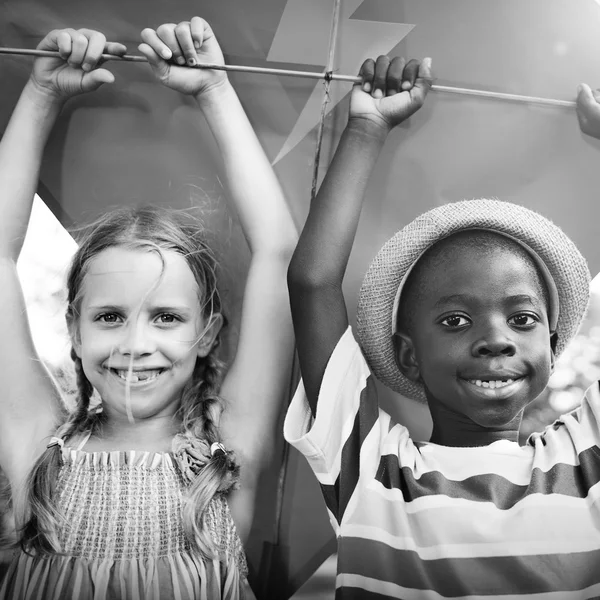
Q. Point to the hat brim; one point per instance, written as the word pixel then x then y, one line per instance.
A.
pixel 561 265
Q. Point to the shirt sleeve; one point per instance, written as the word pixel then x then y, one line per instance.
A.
pixel 342 443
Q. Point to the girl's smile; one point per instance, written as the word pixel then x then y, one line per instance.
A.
pixel 140 329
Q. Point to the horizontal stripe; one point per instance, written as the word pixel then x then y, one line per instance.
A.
pixel 460 546
pixel 356 587
pixel 439 520
pixel 560 479
pixel 458 577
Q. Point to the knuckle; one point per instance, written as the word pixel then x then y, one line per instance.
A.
pixel 165 28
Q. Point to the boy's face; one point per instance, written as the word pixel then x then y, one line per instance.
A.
pixel 479 337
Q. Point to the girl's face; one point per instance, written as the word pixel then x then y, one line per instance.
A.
pixel 481 339
pixel 141 330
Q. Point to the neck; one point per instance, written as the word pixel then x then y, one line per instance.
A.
pixel 151 434
pixel 453 429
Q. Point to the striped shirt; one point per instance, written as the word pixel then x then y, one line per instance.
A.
pixel 416 520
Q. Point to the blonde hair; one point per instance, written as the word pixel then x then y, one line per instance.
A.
pixel 152 229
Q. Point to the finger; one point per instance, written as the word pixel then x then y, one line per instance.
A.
pixel 381 68
pixel 115 48
pixel 422 83
pixel 585 96
pixel 95 47
pixel 158 64
pixel 151 40
pixel 94 79
pixel 198 28
pixel 411 71
pixel 79 44
pixel 183 33
pixel 367 72
pixel 424 76
pixel 63 43
pixel 166 33
pixel 393 81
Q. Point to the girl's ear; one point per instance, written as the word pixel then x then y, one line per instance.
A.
pixel 406 357
pixel 74 335
pixel 210 333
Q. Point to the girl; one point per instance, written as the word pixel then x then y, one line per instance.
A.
pixel 139 499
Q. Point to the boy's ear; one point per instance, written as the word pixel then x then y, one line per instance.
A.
pixel 553 342
pixel 211 331
pixel 406 357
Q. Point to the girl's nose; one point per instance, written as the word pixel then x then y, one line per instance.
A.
pixel 137 340
pixel 495 340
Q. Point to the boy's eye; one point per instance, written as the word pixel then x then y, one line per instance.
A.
pixel 523 320
pixel 455 321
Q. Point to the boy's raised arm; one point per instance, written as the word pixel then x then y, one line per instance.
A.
pixel 391 91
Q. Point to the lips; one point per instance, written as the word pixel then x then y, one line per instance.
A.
pixel 491 383
pixel 137 375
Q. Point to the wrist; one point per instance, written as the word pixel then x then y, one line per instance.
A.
pixel 214 93
pixel 41 97
pixel 369 129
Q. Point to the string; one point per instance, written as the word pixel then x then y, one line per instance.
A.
pixel 328 77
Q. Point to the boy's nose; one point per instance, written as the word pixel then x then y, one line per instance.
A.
pixel 494 342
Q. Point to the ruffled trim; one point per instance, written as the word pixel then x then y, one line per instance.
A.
pixel 118 458
pixel 175 577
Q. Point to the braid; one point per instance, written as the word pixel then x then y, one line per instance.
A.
pixel 81 419
pixel 207 474
pixel 39 532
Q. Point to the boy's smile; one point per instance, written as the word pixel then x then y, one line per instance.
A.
pixel 480 343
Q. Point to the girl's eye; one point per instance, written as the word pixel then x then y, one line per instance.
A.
pixel 167 318
pixel 455 321
pixel 108 318
pixel 523 320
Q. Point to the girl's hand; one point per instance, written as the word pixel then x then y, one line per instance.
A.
pixel 188 43
pixel 391 91
pixel 588 110
pixel 76 71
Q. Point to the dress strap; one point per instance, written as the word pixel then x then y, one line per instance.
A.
pixel 84 439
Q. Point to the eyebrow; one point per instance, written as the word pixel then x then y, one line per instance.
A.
pixel 167 308
pixel 468 299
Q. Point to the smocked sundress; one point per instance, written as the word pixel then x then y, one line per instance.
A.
pixel 125 539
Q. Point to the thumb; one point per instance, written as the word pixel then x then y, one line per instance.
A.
pixel 158 64
pixel 586 97
pixel 94 79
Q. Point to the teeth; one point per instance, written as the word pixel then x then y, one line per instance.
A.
pixel 136 376
pixel 491 384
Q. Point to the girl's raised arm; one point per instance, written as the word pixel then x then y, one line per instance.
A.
pixel 257 381
pixel 30 406
pixel 390 93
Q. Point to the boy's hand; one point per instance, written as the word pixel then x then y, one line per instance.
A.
pixel 588 110
pixel 188 43
pixel 392 90
pixel 76 71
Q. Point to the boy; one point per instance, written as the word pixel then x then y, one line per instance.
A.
pixel 465 308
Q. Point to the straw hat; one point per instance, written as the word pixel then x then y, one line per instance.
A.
pixel 558 259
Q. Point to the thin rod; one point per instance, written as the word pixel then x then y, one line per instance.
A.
pixel 314 75
pixel 328 69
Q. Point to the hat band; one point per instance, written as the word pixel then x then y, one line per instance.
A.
pixel 553 308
